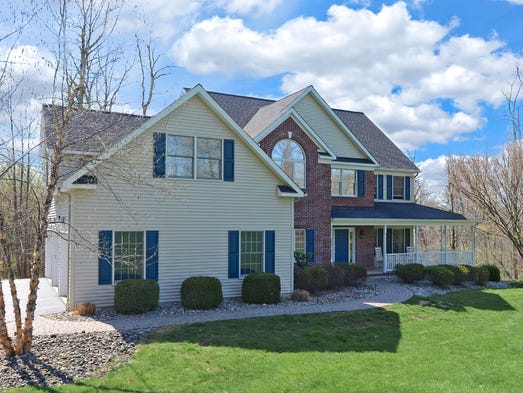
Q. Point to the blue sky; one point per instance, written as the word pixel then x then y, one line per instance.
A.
pixel 430 73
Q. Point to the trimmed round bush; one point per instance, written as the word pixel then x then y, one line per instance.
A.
pixel 201 292
pixel 136 296
pixel 355 273
pixel 466 269
pixel 410 272
pixel 494 273
pixel 460 274
pixel 261 288
pixel 480 275
pixel 439 275
pixel 312 278
pixel 336 277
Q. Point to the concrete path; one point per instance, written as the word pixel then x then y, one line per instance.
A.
pixel 47 301
pixel 389 293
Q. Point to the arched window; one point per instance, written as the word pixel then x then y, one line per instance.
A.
pixel 289 155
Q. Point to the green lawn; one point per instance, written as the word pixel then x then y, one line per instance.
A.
pixel 470 341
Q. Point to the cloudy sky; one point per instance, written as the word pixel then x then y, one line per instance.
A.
pixel 430 73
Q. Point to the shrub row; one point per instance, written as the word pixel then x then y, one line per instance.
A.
pixel 444 275
pixel 317 278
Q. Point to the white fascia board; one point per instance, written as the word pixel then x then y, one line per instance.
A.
pixel 336 119
pixel 347 165
pixel 398 222
pixel 394 172
pixel 198 89
pixel 302 124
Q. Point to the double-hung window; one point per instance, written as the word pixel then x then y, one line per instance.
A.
pixel 193 157
pixel 343 182
pixel 129 255
pixel 251 252
pixel 398 187
pixel 299 240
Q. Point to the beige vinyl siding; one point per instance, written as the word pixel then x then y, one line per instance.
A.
pixel 193 217
pixel 321 122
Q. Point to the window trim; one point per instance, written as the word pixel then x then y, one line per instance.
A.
pixel 241 275
pixel 397 196
pixel 355 183
pixel 195 158
pixel 113 255
pixel 281 161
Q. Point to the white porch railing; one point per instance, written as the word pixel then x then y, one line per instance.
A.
pixel 430 257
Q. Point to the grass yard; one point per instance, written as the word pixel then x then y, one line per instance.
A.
pixel 469 341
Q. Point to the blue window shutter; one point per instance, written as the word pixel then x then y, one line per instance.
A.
pixel 380 187
pixel 309 243
pixel 105 257
pixel 269 251
pixel 151 255
pixel 361 183
pixel 228 160
pixel 407 188
pixel 389 187
pixel 407 238
pixel 379 238
pixel 159 155
pixel 234 254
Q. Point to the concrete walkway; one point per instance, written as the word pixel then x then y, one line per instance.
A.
pixel 389 293
pixel 47 301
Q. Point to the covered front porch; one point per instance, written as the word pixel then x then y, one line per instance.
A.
pixel 389 234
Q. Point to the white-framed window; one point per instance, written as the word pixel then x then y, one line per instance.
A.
pixel 193 157
pixel 398 187
pixel 343 182
pixel 289 155
pixel 299 240
pixel 129 255
pixel 251 252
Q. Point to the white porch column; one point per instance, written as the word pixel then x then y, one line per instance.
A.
pixel 384 249
pixel 416 235
pixel 444 244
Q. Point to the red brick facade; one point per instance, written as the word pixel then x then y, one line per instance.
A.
pixel 314 210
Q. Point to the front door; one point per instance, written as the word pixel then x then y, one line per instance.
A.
pixel 344 245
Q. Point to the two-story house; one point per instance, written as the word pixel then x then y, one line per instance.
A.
pixel 225 185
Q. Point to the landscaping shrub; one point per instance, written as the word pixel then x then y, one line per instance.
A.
pixel 354 272
pixel 336 277
pixel 439 275
pixel 201 292
pixel 136 296
pixel 466 269
pixel 312 278
pixel 300 295
pixel 261 288
pixel 480 275
pixel 85 309
pixel 301 259
pixel 494 273
pixel 410 272
pixel 460 274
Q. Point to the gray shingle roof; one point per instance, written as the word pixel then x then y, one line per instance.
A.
pixel 396 211
pixel 89 130
pixel 243 109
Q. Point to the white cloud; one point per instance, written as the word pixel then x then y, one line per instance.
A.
pixel 518 2
pixel 434 174
pixel 415 78
pixel 247 7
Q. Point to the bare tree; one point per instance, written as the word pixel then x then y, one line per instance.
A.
pixel 512 97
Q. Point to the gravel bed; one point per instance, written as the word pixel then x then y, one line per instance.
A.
pixel 426 289
pixel 66 358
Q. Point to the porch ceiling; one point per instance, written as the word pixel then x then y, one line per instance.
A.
pixel 397 213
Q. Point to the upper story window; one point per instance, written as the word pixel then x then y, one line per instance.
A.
pixel 343 182
pixel 398 187
pixel 392 187
pixel 289 155
pixel 180 157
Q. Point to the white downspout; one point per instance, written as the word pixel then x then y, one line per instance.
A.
pixel 385 248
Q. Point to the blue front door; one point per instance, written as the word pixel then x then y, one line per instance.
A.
pixel 341 245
